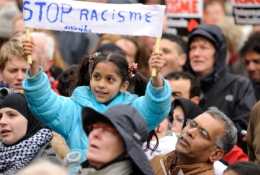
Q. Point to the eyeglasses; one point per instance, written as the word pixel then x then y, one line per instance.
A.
pixel 192 124
pixel 106 130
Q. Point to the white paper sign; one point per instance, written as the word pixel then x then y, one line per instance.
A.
pixel 78 16
pixel 246 11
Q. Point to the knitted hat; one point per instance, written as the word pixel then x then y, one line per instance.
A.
pixel 7 16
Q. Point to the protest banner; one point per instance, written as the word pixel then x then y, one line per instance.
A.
pixel 183 15
pixel 246 11
pixel 79 16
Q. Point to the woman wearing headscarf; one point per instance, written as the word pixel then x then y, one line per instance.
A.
pixel 163 138
pixel 22 137
pixel 181 110
pixel 115 142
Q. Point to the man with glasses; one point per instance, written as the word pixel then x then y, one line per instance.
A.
pixel 203 141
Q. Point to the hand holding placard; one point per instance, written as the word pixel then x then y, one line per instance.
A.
pixel 78 16
pixel 157 48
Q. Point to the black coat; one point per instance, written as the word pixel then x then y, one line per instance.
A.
pixel 232 94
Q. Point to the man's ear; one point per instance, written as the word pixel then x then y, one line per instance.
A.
pixel 183 59
pixel 216 155
pixel 195 99
pixel 124 86
pixel 50 63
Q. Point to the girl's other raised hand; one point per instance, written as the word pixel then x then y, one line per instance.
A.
pixel 156 61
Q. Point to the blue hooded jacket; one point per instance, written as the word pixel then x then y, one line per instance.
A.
pixel 63 114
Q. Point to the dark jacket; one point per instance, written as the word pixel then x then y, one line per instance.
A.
pixel 232 94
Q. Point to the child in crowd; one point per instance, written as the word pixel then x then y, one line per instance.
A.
pixel 102 81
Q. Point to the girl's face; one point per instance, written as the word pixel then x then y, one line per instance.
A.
pixel 178 119
pixel 105 144
pixel 105 82
pixel 13 126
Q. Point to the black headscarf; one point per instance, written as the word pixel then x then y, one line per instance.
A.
pixel 190 109
pixel 19 103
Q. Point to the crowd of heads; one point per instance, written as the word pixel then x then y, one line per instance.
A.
pixel 192 65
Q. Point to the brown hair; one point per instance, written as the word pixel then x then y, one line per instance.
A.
pixel 110 38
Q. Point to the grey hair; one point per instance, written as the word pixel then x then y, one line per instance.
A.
pixel 228 139
pixel 49 46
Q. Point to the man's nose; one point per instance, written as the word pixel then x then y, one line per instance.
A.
pixel 251 66
pixel 192 132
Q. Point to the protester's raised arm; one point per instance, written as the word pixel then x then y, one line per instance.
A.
pixel 156 61
pixel 29 48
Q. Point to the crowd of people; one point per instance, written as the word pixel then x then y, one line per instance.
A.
pixel 88 105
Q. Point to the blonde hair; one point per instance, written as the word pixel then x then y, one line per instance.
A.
pixel 43 167
pixel 233 38
pixel 13 47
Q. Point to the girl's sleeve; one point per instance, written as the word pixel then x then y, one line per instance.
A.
pixel 56 112
pixel 155 105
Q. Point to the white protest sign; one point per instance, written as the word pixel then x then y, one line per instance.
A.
pixel 246 11
pixel 78 16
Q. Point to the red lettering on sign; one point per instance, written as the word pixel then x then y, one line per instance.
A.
pixel 184 6
pixel 247 1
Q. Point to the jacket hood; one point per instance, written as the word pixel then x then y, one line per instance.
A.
pixel 190 109
pixel 215 35
pixel 130 125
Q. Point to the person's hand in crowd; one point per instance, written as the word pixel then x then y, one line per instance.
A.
pixel 30 49
pixel 156 61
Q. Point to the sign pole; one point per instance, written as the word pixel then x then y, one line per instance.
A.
pixel 157 48
pixel 29 57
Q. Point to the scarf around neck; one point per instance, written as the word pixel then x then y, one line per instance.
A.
pixel 15 157
pixel 119 168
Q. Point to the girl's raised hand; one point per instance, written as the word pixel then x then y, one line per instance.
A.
pixel 30 49
pixel 156 61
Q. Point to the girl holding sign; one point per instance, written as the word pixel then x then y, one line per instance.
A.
pixel 103 79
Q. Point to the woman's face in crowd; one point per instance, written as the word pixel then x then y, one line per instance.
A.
pixel 162 129
pixel 105 144
pixel 14 72
pixel 13 126
pixel 129 49
pixel 178 119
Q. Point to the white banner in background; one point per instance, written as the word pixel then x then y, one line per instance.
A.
pixel 246 11
pixel 78 16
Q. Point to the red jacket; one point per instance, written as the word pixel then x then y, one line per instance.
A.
pixel 53 82
pixel 235 155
